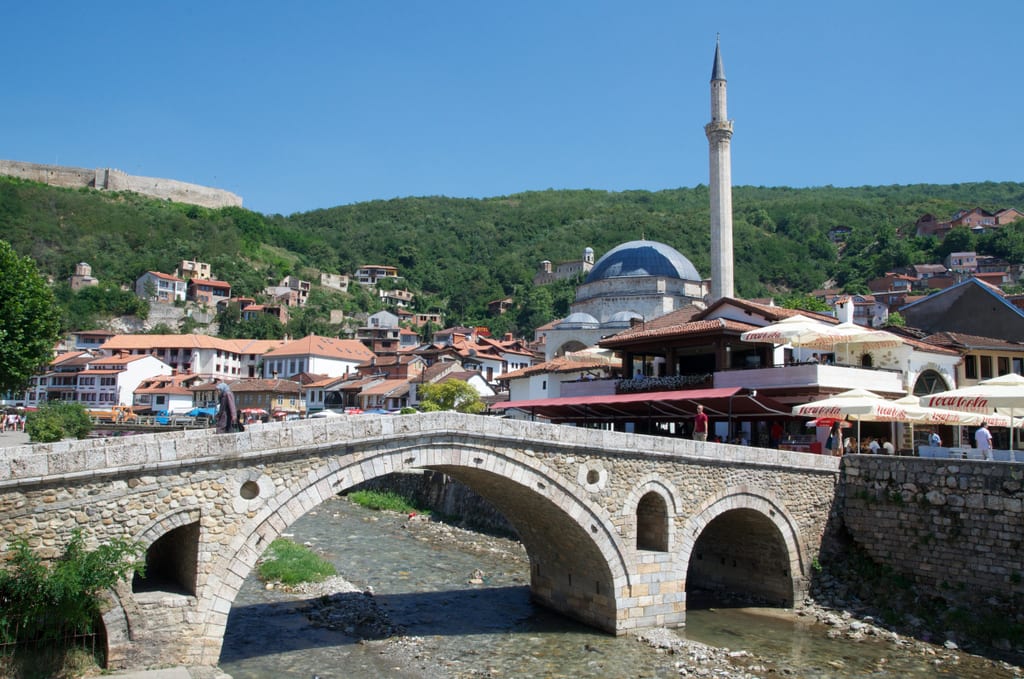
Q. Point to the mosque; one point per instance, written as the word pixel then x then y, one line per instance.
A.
pixel 641 280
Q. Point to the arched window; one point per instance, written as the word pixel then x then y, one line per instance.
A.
pixel 652 523
pixel 866 361
pixel 929 382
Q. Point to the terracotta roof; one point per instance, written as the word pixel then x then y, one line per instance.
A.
pixel 184 341
pixel 387 388
pixel 165 276
pixel 959 339
pixel 326 347
pixel 677 330
pixel 273 386
pixel 118 360
pixel 209 281
pixel 563 364
pixel 770 312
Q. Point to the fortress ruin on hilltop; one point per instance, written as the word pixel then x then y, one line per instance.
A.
pixel 108 179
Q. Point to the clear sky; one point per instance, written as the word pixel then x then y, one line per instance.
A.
pixel 297 106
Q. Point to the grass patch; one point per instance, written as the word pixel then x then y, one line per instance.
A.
pixel 375 499
pixel 291 563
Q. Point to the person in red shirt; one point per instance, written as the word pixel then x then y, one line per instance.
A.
pixel 775 434
pixel 700 425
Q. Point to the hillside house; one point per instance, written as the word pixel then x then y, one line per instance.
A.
pixel 190 268
pixel 154 286
pixel 315 354
pixel 207 291
pixel 334 281
pixel 211 358
pixel 371 274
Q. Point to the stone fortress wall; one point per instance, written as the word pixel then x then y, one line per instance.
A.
pixel 108 179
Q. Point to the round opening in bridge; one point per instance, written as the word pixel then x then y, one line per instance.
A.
pixel 593 476
pixel 250 490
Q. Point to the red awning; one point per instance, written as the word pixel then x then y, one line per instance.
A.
pixel 658 405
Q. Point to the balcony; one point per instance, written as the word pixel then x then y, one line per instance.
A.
pixel 831 377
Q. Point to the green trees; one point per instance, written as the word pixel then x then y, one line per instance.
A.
pixel 30 322
pixel 450 395
pixel 51 602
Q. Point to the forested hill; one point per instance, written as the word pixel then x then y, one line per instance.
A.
pixel 458 254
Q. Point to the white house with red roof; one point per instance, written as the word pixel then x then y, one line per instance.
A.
pixel 161 287
pixel 169 393
pixel 209 357
pixel 328 356
pixel 112 380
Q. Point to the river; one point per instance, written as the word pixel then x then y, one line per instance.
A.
pixel 451 603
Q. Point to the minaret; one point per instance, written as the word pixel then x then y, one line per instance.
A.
pixel 719 132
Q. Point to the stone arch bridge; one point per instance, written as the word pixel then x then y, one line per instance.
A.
pixel 616 525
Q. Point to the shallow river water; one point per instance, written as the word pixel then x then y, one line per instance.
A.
pixel 463 602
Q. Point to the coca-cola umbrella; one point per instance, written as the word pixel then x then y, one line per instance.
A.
pixel 859 405
pixel 847 335
pixel 787 330
pixel 996 396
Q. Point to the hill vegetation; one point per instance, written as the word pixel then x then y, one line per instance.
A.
pixel 459 254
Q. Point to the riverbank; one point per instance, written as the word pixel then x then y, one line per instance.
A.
pixel 339 605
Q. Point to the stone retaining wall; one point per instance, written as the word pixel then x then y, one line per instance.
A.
pixel 955 527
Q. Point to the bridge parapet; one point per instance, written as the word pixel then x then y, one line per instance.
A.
pixel 49 462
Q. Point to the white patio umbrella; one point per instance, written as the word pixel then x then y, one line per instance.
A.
pixel 996 396
pixel 786 330
pixel 859 405
pixel 847 335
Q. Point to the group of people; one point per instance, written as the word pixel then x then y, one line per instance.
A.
pixel 13 421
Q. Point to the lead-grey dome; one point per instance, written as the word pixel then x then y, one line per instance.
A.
pixel 643 258
pixel 579 319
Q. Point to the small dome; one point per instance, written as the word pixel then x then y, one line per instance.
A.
pixel 579 319
pixel 623 318
pixel 643 258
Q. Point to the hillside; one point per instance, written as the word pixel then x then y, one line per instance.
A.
pixel 458 254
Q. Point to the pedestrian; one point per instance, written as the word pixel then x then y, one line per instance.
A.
pixel 873 446
pixel 935 439
pixel 775 434
pixel 227 413
pixel 835 440
pixel 700 425
pixel 983 441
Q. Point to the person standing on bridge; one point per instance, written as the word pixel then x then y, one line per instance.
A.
pixel 227 412
pixel 700 425
pixel 983 440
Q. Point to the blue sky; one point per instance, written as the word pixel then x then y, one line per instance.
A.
pixel 307 105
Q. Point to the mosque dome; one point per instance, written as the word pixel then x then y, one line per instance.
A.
pixel 579 319
pixel 622 318
pixel 643 258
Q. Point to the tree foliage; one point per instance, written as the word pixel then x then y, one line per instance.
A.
pixel 52 601
pixel 57 420
pixel 457 255
pixel 452 394
pixel 29 323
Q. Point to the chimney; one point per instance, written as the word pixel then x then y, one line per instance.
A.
pixel 508 337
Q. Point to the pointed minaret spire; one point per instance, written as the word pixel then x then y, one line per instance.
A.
pixel 718 71
pixel 719 133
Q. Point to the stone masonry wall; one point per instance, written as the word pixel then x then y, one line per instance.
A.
pixel 115 180
pixel 956 527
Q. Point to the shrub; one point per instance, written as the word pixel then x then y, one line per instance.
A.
pixel 291 563
pixel 57 420
pixel 386 500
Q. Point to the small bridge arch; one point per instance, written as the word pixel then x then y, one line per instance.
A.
pixel 744 540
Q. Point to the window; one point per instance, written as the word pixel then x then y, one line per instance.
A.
pixel 970 367
pixel 986 367
pixel 1004 364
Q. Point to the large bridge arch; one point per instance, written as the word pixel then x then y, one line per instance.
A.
pixel 744 539
pixel 578 565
